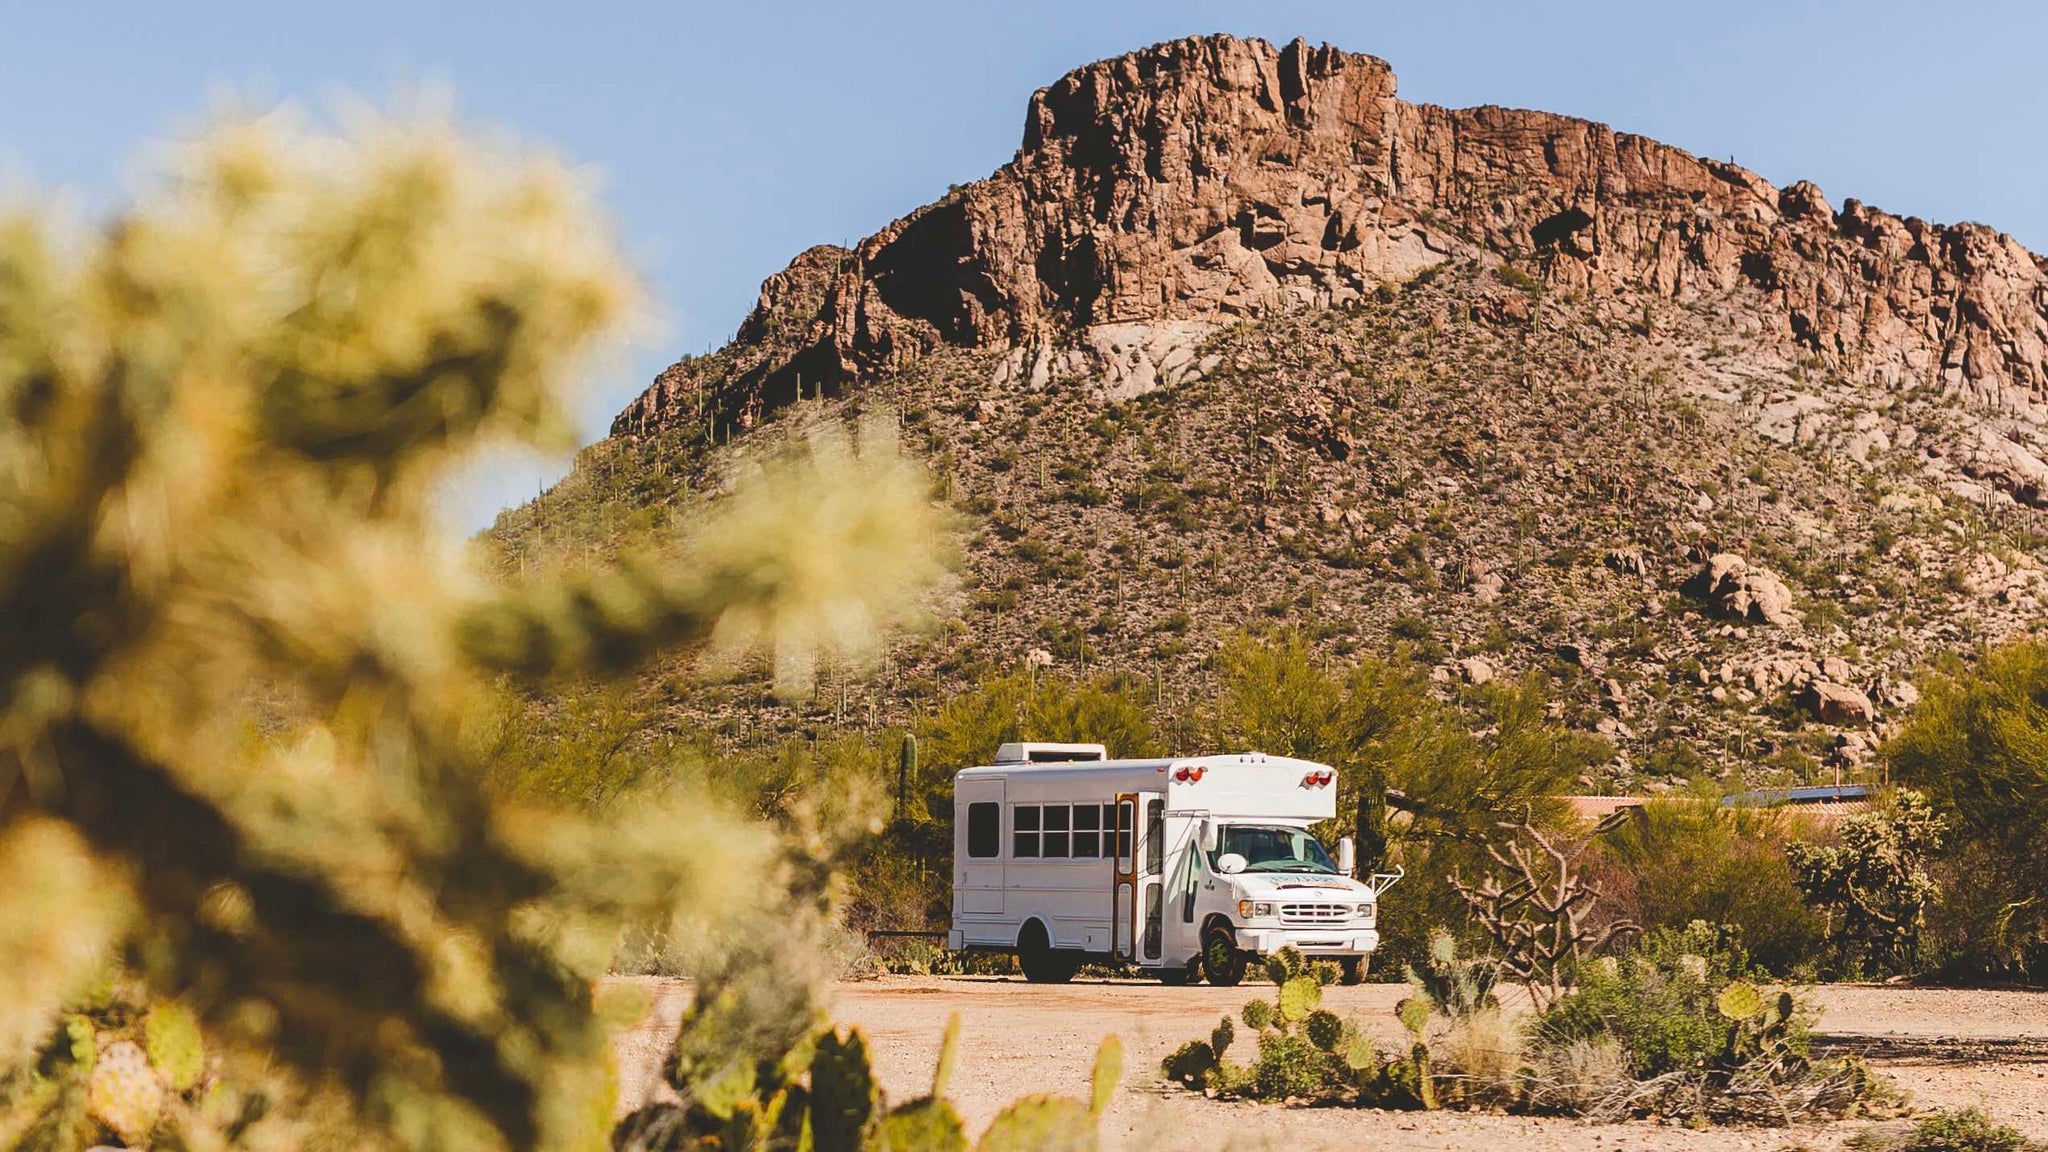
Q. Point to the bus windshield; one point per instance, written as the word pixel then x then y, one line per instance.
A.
pixel 1272 849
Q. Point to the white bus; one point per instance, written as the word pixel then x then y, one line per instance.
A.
pixel 1184 867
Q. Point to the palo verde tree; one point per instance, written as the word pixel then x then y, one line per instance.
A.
pixel 243 667
pixel 1977 746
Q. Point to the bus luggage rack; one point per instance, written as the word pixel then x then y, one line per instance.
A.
pixel 1315 913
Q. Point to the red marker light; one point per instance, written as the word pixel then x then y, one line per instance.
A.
pixel 1318 779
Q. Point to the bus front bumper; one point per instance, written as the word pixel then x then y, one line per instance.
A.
pixel 1310 941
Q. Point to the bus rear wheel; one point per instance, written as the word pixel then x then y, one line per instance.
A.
pixel 1042 963
pixel 1221 960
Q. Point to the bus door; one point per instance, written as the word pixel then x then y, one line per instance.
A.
pixel 1137 899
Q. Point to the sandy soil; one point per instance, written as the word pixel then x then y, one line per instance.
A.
pixel 1946 1048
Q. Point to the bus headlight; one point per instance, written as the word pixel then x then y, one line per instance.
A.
pixel 1253 909
pixel 1367 914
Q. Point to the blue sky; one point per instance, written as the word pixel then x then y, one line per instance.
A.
pixel 729 137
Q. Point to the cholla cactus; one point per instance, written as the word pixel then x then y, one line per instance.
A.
pixel 242 664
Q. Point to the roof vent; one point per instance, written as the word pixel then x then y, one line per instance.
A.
pixel 1026 753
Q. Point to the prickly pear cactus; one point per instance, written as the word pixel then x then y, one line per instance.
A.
pixel 1425 1078
pixel 949 1052
pixel 842 1092
pixel 1414 1013
pixel 1039 1122
pixel 1221 1036
pixel 1362 1058
pixel 1299 997
pixel 1324 1029
pixel 1258 1014
pixel 1109 1068
pixel 1193 1064
pixel 928 1125
pixel 1740 1000
pixel 1285 965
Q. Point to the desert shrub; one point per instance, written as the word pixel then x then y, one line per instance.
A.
pixel 1575 1076
pixel 1977 746
pixel 1478 1059
pixel 1698 1041
pixel 1673 862
pixel 1950 1130
pixel 1289 1066
pixel 1657 1003
pixel 1873 881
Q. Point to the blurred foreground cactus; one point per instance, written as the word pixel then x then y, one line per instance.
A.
pixel 248 681
pixel 841 1108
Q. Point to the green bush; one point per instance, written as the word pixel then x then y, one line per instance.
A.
pixel 1977 745
pixel 1659 1002
pixel 1959 1130
pixel 1673 862
pixel 1290 1067
pixel 1874 877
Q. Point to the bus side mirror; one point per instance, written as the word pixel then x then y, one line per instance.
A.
pixel 1347 856
pixel 1211 836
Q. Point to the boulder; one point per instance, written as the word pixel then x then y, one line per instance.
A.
pixel 1898 693
pixel 1839 704
pixel 1735 588
pixel 1477 670
pixel 1582 656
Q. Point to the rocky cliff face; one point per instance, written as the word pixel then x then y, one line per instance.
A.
pixel 1240 339
pixel 1163 194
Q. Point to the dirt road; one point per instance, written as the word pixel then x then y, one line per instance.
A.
pixel 1947 1048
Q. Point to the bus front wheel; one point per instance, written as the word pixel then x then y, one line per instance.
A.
pixel 1221 960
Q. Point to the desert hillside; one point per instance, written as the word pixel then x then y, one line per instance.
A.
pixel 1241 339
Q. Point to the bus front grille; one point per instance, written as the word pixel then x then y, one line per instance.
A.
pixel 1314 913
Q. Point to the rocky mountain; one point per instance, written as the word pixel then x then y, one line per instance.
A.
pixel 1240 336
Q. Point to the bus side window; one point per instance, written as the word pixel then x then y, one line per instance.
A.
pixel 1055 835
pixel 1123 836
pixel 1087 831
pixel 984 829
pixel 1155 836
pixel 1024 831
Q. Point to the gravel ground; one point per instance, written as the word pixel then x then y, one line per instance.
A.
pixel 1947 1048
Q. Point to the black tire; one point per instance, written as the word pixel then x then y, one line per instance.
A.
pixel 1222 962
pixel 1353 968
pixel 1189 973
pixel 1041 962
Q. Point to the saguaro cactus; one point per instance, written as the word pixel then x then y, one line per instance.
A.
pixel 906 771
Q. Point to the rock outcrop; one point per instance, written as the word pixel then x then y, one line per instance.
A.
pixel 1736 589
pixel 1163 193
pixel 1838 704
